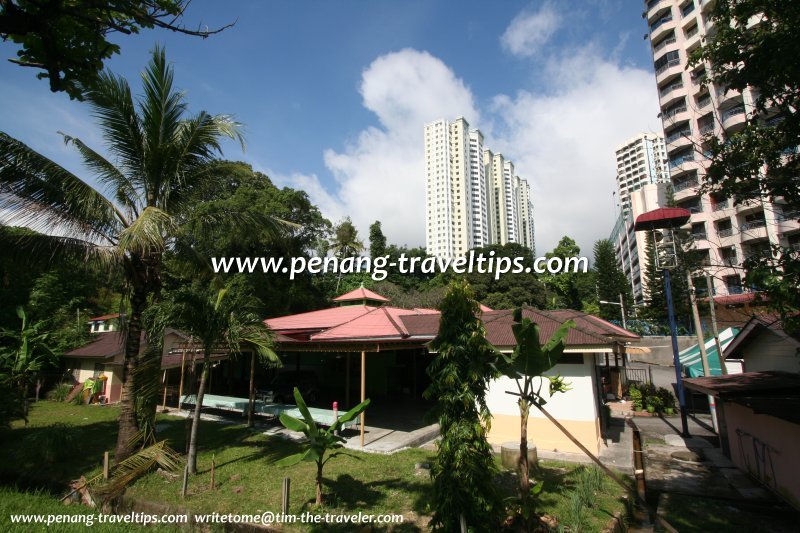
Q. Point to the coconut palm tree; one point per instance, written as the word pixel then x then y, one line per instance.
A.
pixel 220 320
pixel 159 157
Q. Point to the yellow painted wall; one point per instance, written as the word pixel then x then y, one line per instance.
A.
pixel 83 369
pixel 545 435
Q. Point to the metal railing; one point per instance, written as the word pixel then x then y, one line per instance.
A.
pixel 683 185
pixel 732 112
pixel 666 42
pixel 660 22
pixel 753 225
pixel 669 88
pixel 681 160
pixel 727 232
pixel 669 64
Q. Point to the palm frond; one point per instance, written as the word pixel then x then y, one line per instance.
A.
pixel 161 108
pixel 113 107
pixel 134 467
pixel 124 191
pixel 37 193
pixel 36 248
pixel 148 232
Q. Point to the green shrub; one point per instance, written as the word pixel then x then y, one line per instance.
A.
pixel 60 392
pixel 636 397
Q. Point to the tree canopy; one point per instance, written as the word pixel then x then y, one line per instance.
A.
pixel 68 40
pixel 755 46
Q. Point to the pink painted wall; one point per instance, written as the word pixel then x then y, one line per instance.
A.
pixel 767 448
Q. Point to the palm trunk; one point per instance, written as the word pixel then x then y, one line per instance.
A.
pixel 128 424
pixel 251 406
pixel 319 481
pixel 191 459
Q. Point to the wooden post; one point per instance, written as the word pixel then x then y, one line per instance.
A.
pixel 713 309
pixel 185 481
pixel 164 403
pixel 347 380
pixel 363 390
pixel 287 483
pixel 105 466
pixel 180 387
pixel 213 469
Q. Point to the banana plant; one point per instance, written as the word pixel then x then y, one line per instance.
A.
pixel 321 444
pixel 528 363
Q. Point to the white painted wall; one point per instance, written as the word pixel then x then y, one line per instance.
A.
pixel 579 403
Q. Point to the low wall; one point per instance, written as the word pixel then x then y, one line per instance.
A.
pixel 661 349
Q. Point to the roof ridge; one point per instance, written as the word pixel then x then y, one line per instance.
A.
pixel 574 312
pixel 396 326
pixel 372 310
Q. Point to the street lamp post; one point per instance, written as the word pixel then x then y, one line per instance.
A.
pixel 661 221
pixel 621 305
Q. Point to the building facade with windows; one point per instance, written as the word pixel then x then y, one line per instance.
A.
pixel 724 234
pixel 473 197
pixel 630 247
pixel 641 160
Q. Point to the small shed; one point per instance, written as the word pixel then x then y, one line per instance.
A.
pixel 103 356
pixel 759 425
pixel 763 344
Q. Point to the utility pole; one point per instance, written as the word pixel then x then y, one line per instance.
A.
pixel 701 343
pixel 713 307
pixel 621 305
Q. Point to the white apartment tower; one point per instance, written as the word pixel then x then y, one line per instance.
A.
pixel 724 234
pixel 641 160
pixel 473 198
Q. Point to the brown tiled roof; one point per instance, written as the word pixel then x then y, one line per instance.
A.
pixel 588 330
pixel 104 317
pixel 103 346
pixel 746 383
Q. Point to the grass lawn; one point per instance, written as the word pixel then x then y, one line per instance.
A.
pixel 247 481
pixel 697 514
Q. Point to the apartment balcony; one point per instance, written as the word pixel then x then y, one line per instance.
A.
pixel 686 192
pixel 664 44
pixel 680 161
pixel 720 206
pixel 753 231
pixel 734 119
pixel 661 26
pixel 728 95
pixel 705 129
pixel 707 5
pixel 676 116
pixel 668 70
pixel 679 142
pixel 670 90
pixel 654 7
pixel 748 206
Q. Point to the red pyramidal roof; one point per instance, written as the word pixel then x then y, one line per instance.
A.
pixel 360 294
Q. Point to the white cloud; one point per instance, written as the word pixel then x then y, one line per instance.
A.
pixel 380 175
pixel 563 141
pixel 530 30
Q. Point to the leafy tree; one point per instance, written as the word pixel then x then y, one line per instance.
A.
pixel 509 290
pixel 345 240
pixel 571 288
pixel 319 442
pixel 528 363
pixel 755 46
pixel 160 156
pixel 219 319
pixel 68 40
pixel 21 362
pixel 236 188
pixel 610 280
pixel 377 240
pixel 464 365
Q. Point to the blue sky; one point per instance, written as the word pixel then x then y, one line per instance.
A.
pixel 334 95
